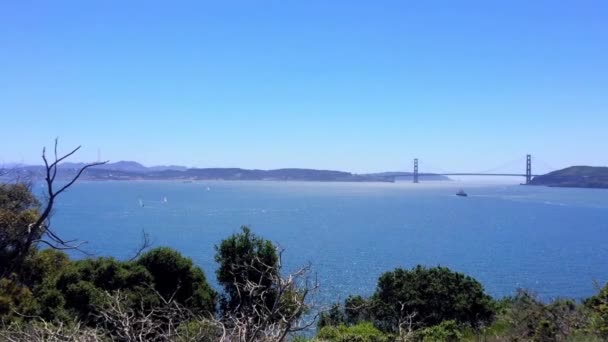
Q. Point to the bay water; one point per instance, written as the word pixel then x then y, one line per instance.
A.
pixel 553 241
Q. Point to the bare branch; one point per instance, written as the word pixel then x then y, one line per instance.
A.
pixel 145 244
pixel 39 231
pixel 271 306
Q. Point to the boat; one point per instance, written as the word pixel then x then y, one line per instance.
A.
pixel 461 193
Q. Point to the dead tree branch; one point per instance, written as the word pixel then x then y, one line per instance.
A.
pixel 143 246
pixel 40 231
pixel 280 306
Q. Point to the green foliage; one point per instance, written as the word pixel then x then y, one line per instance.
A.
pixel 598 306
pixel 524 317
pixel 18 211
pixel 447 331
pixel 357 309
pixel 244 257
pixel 15 298
pixel 199 331
pixel 17 198
pixel 546 330
pixel 434 294
pixel 83 284
pixel 530 319
pixel 489 333
pixel 333 317
pixel 362 332
pixel 41 265
pixel 175 276
pixel 63 289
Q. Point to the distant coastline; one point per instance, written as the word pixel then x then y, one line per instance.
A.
pixel 129 170
pixel 575 177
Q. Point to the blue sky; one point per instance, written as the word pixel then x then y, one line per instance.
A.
pixel 348 85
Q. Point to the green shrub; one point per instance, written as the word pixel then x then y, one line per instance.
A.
pixel 333 317
pixel 19 210
pixel 245 257
pixel 84 282
pixel 362 332
pixel 434 294
pixel 15 299
pixel 175 276
pixel 41 265
pixel 598 306
pixel 447 331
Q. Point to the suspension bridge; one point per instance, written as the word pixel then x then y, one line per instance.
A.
pixel 528 175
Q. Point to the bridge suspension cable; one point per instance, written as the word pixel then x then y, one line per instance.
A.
pixel 547 167
pixel 517 161
pixel 433 168
pixel 491 172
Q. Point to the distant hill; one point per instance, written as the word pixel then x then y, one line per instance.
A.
pixel 130 170
pixel 126 166
pixel 279 174
pixel 575 177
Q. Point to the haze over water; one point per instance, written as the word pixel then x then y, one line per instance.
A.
pixel 551 240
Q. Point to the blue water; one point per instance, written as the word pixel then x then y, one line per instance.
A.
pixel 553 241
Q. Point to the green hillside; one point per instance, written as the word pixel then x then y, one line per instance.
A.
pixel 576 177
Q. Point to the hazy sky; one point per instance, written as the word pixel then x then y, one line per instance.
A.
pixel 349 85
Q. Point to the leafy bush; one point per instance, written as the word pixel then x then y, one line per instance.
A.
pixel 244 257
pixel 18 211
pixel 175 276
pixel 357 309
pixel 362 332
pixel 41 265
pixel 447 331
pixel 433 294
pixel 15 298
pixel 598 306
pixel 333 317
pixel 528 318
pixel 76 288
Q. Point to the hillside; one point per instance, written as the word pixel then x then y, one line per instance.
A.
pixel 575 177
pixel 130 170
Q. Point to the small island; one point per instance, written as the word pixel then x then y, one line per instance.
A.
pixel 575 177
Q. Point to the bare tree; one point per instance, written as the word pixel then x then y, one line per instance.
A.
pixel 169 321
pixel 290 311
pixel 44 220
pixel 40 230
pixel 406 325
pixel 42 330
pixel 283 305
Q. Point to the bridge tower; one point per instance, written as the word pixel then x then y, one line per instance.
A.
pixel 416 170
pixel 528 168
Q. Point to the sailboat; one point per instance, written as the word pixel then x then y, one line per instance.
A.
pixel 165 199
